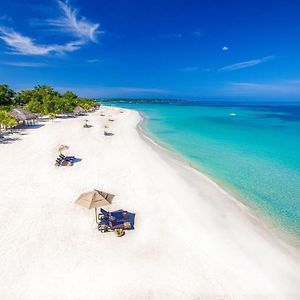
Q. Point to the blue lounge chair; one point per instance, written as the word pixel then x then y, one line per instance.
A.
pixel 63 157
pixel 103 225
pixel 103 213
pixel 62 161
pixel 119 220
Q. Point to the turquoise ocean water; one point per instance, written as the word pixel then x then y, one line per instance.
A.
pixel 252 151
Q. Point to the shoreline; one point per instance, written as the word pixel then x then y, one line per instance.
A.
pixel 283 236
pixel 190 239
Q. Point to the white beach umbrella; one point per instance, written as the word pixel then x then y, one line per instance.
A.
pixel 94 199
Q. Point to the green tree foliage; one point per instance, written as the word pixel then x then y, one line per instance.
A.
pixel 38 93
pixel 3 115
pixel 70 96
pixel 24 97
pixel 11 122
pixel 63 105
pixel 34 106
pixel 45 100
pixel 7 95
pixel 86 103
pixel 6 120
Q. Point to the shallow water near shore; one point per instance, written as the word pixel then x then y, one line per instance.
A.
pixel 252 150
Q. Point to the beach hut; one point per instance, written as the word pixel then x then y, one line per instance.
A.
pixel 23 116
pixel 94 199
pixel 78 111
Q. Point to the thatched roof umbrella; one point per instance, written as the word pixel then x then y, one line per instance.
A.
pixel 22 115
pixel 78 110
pixel 94 199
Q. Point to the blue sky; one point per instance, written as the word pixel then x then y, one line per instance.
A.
pixel 155 48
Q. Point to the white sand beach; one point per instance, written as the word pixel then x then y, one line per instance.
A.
pixel 191 241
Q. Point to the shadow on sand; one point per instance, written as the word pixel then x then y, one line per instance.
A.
pixel 8 140
pixel 76 160
pixel 35 126
pixel 108 133
pixel 20 130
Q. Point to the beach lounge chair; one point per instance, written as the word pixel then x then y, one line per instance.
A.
pixel 69 158
pixel 115 215
pixel 119 214
pixel 63 160
pixel 58 162
pixel 103 225
pixel 67 163
pixel 108 133
pixel 116 221
pixel 103 213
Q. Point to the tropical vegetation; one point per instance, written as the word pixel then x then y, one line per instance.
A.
pixel 41 99
pixel 6 120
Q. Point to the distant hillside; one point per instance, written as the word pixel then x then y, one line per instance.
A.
pixel 142 100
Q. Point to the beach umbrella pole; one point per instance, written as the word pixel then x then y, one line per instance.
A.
pixel 96 214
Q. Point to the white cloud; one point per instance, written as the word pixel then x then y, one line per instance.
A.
pixel 5 18
pixel 142 90
pixel 198 33
pixel 172 35
pixel 207 70
pixel 20 44
pixel 246 64
pixel 225 48
pixel 83 30
pixel 290 87
pixel 93 60
pixel 24 64
pixel 190 69
pixel 118 91
pixel 71 22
